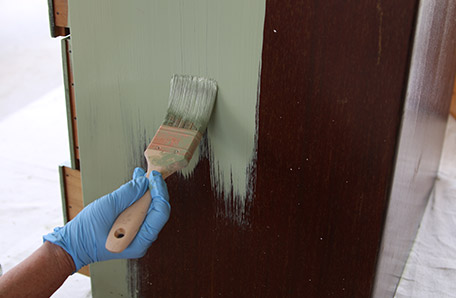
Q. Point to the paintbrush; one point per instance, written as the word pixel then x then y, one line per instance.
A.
pixel 191 100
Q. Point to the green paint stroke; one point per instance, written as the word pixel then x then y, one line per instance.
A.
pixel 223 40
pixel 127 70
pixel 124 54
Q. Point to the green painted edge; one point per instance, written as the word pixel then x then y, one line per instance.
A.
pixel 67 100
pixel 62 193
pixel 51 18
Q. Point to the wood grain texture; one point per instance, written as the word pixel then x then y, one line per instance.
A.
pixel 342 87
pixel 73 192
pixel 453 101
pixel 61 13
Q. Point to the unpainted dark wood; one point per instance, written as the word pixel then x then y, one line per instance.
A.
pixel 333 85
pixel 453 101
pixel 335 80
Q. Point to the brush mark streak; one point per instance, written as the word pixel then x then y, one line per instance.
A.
pixel 232 60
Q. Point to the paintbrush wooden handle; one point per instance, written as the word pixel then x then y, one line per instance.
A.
pixel 170 150
pixel 127 224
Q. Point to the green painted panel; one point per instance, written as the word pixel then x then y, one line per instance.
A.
pixel 124 53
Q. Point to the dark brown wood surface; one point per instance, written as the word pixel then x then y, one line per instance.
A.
pixel 333 86
pixel 453 101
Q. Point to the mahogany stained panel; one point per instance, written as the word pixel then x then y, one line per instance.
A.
pixel 333 86
pixel 333 81
pixel 453 101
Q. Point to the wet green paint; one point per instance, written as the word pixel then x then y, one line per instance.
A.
pixel 124 54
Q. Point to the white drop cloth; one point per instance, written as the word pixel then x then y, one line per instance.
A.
pixel 431 268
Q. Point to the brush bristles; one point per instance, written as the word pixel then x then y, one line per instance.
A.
pixel 191 100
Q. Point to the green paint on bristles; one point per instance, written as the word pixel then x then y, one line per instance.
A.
pixel 191 100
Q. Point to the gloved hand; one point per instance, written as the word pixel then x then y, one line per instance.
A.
pixel 84 237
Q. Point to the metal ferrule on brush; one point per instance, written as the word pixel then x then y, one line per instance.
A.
pixel 172 148
pixel 175 140
pixel 191 100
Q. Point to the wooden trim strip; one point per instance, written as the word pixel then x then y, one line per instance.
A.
pixel 70 102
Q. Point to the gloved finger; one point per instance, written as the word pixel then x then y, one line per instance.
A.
pixel 138 172
pixel 157 186
pixel 159 204
pixel 127 194
pixel 131 191
pixel 157 215
pixel 159 208
pixel 151 227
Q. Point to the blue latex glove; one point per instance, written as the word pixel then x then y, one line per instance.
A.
pixel 84 237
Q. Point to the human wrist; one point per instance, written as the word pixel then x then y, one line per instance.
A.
pixel 63 260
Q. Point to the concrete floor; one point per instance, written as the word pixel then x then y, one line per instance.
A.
pixel 30 60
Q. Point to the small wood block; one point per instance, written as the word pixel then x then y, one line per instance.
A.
pixel 73 192
pixel 61 13
pixel 58 17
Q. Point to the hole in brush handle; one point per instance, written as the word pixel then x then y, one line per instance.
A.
pixel 127 225
pixel 119 233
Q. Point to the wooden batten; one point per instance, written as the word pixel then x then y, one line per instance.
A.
pixel 58 17
pixel 70 102
pixel 71 190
